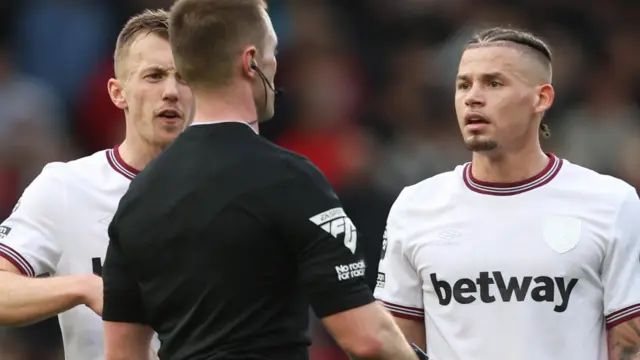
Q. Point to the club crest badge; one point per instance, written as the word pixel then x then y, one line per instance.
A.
pixel 561 233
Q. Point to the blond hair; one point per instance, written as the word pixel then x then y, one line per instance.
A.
pixel 147 22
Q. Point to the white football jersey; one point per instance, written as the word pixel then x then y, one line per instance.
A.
pixel 532 270
pixel 59 227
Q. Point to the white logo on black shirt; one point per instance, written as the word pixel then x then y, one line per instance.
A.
pixel 336 223
pixel 353 270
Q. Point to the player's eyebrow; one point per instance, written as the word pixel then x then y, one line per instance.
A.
pixel 493 75
pixel 485 76
pixel 154 68
pixel 158 68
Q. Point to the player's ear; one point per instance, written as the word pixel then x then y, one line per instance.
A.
pixel 544 100
pixel 116 93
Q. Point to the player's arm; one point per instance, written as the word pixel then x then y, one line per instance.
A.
pixel 30 246
pixel 399 287
pixel 331 268
pixel 127 336
pixel 25 300
pixel 621 281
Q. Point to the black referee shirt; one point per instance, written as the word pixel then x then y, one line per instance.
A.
pixel 221 244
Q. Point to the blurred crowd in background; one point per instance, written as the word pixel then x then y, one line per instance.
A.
pixel 369 97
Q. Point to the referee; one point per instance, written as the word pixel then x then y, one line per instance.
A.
pixel 221 244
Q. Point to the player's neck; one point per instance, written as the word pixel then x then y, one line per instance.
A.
pixel 137 154
pixel 226 106
pixel 508 168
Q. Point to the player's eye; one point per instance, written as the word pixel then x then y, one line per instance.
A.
pixel 495 84
pixel 154 76
pixel 463 86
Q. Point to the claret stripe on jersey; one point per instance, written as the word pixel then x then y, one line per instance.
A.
pixel 542 178
pixel 116 162
pixel 623 315
pixel 17 260
pixel 405 312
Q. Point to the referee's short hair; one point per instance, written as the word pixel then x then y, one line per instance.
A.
pixel 207 36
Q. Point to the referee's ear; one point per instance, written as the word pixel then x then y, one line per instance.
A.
pixel 115 92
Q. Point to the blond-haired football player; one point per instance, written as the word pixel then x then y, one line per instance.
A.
pixel 59 226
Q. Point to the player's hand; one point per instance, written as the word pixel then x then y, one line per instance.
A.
pixel 91 292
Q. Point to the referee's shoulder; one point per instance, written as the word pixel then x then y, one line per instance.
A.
pixel 295 166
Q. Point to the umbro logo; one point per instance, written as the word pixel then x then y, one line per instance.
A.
pixel 106 220
pixel 447 237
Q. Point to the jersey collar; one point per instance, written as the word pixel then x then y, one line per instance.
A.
pixel 120 166
pixel 505 189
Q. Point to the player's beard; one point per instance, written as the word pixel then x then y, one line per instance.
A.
pixel 476 144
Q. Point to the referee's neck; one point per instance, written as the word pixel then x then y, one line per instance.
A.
pixel 252 125
pixel 225 107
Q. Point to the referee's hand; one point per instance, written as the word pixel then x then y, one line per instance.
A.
pixel 421 354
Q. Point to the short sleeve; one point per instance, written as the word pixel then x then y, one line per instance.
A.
pixel 31 238
pixel 331 265
pixel 122 300
pixel 399 286
pixel 621 268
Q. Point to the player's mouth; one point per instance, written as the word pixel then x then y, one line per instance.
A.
pixel 169 115
pixel 476 121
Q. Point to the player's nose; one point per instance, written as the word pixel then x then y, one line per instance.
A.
pixel 474 98
pixel 170 91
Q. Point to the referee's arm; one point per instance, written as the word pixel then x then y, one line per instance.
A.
pixel 309 217
pixel 126 335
